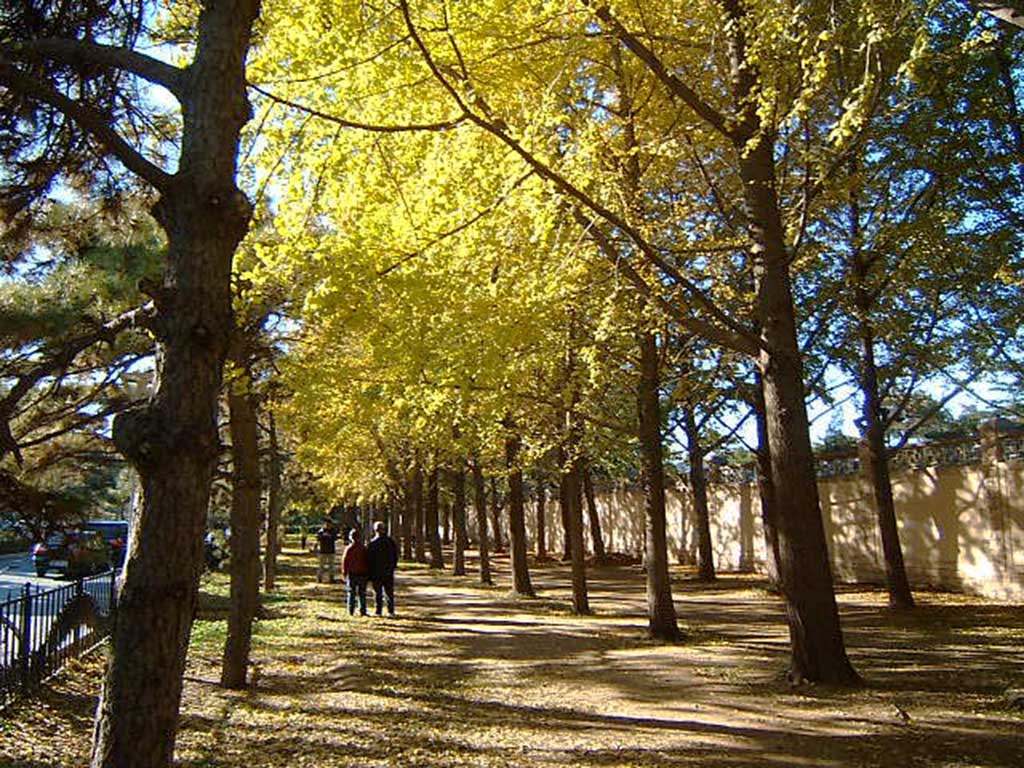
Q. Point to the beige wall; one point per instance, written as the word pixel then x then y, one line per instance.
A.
pixel 962 527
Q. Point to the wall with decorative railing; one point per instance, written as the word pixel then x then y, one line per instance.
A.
pixel 959 506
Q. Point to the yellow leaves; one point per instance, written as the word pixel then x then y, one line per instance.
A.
pixel 436 271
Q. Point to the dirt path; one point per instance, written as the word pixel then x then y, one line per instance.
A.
pixel 467 676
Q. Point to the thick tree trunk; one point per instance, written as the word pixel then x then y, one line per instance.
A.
pixel 273 509
pixel 245 531
pixel 517 520
pixel 661 611
pixel 877 454
pixel 766 491
pixel 480 503
pixel 600 555
pixel 446 524
pixel 542 534
pixel 459 520
pixel 699 493
pixel 564 508
pixel 496 516
pixel 418 515
pixel 574 494
pixel 408 516
pixel 818 653
pixel 172 440
pixel 431 521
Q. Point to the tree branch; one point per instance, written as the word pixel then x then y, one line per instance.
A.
pixel 89 119
pixel 72 52
pixel 740 338
pixel 442 125
pixel 57 360
pixel 676 87
pixel 454 230
pixel 1007 12
pixel 741 342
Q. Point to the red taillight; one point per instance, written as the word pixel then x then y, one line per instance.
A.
pixel 39 549
pixel 116 544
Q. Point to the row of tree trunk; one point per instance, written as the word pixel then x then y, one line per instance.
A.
pixel 172 441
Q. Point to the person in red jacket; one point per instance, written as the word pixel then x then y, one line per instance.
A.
pixel 355 567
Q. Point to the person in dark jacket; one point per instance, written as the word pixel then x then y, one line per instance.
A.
pixel 355 568
pixel 383 559
pixel 325 538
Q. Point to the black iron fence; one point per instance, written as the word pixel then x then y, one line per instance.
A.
pixel 40 630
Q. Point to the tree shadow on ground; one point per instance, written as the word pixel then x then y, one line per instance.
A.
pixel 470 676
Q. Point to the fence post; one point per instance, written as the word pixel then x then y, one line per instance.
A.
pixel 25 651
pixel 79 589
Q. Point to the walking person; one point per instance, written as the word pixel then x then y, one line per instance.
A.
pixel 325 543
pixel 382 554
pixel 355 568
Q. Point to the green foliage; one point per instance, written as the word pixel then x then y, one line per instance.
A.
pixel 86 266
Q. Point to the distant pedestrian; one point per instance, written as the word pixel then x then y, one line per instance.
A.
pixel 382 554
pixel 355 568
pixel 325 542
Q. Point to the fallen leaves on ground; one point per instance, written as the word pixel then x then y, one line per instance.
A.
pixel 468 676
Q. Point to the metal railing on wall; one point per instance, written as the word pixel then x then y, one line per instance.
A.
pixel 41 629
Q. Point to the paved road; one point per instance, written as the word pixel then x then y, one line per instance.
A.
pixel 16 570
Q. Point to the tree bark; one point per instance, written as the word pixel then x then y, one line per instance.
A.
pixel 408 516
pixel 542 535
pixel 600 555
pixel 480 502
pixel 172 440
pixel 766 491
pixel 446 524
pixel 818 653
pixel 459 520
pixel 418 514
pixel 574 494
pixel 517 520
pixel 564 508
pixel 245 526
pixel 877 455
pixel 699 494
pixel 431 521
pixel 273 508
pixel 661 612
pixel 496 516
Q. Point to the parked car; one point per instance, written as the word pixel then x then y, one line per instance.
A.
pixel 115 533
pixel 73 553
